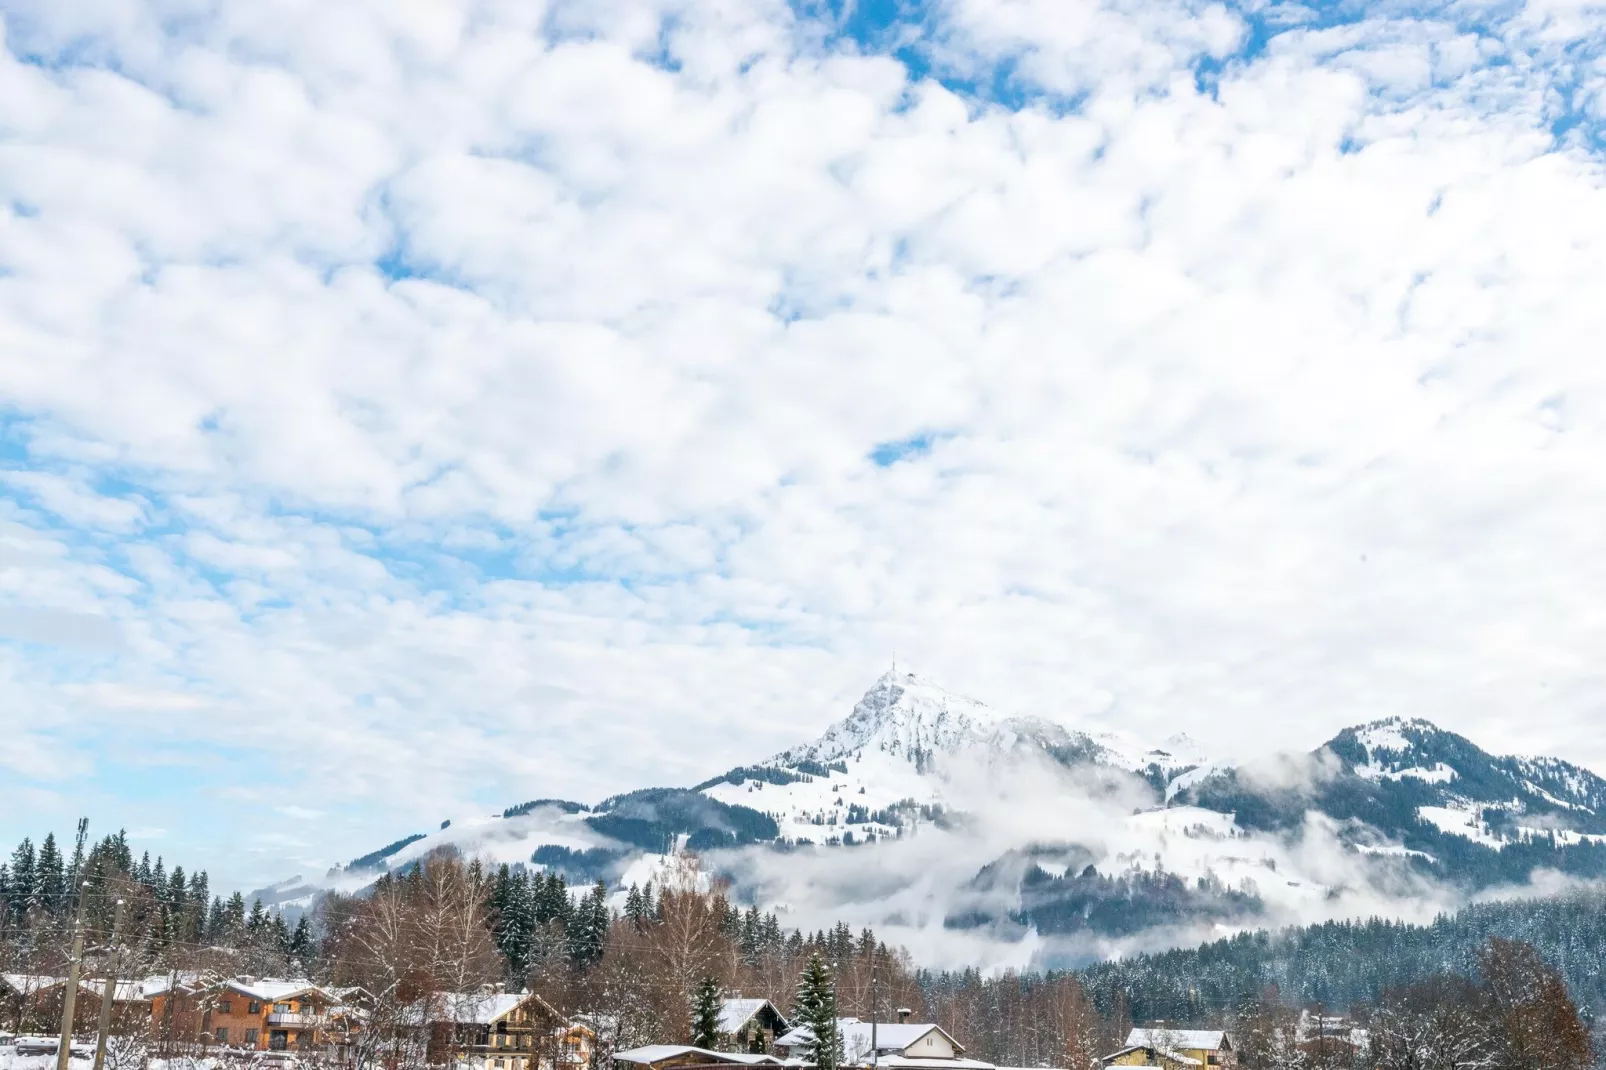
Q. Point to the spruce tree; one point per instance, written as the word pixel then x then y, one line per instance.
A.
pixel 301 944
pixel 23 885
pixel 816 1008
pixel 233 934
pixel 51 876
pixel 705 1007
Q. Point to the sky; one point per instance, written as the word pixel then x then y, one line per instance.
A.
pixel 412 408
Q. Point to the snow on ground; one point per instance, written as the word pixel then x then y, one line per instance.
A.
pixel 1461 820
pixel 815 809
pixel 1383 736
pixel 1184 781
pixel 1439 774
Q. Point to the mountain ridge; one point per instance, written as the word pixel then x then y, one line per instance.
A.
pixel 1126 836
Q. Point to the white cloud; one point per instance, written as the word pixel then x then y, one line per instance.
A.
pixel 1255 409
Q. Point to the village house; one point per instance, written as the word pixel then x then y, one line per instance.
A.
pixel 910 1045
pixel 1177 1049
pixel 257 1014
pixel 751 1024
pixel 504 1031
pixel 32 1003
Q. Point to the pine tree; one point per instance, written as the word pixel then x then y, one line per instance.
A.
pixel 705 1007
pixel 51 876
pixel 279 933
pixel 635 910
pixel 233 928
pixel 23 885
pixel 124 858
pixel 587 928
pixel 217 922
pixel 816 1008
pixel 256 920
pixel 301 943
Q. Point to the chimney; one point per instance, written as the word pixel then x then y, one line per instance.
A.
pixel 903 1014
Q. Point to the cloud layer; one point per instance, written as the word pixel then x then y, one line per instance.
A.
pixel 407 408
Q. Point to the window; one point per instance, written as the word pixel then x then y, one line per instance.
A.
pixel 253 1007
pixel 251 1038
pixel 222 1035
pixel 225 1007
pixel 281 1008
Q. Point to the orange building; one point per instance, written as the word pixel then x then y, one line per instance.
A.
pixel 260 1015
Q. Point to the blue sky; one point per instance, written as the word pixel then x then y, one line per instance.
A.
pixel 407 410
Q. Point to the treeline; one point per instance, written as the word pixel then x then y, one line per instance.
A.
pixel 1340 964
pixel 164 908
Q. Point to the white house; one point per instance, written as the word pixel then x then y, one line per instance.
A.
pixel 903 1045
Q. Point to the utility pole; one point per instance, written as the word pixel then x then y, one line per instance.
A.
pixel 69 998
pixel 108 994
pixel 875 1046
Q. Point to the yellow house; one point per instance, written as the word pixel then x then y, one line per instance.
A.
pixel 1175 1049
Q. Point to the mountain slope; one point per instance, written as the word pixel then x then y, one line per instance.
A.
pixel 998 827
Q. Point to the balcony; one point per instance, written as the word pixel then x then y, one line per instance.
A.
pixel 293 1019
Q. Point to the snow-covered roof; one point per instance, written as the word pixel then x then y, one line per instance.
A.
pixel 657 1053
pixel 157 983
pixel 30 982
pixel 270 991
pixel 856 1037
pixel 480 1008
pixel 735 1013
pixel 1180 1039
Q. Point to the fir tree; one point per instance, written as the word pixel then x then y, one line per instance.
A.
pixel 232 931
pixel 23 885
pixel 217 921
pixel 816 1008
pixel 301 943
pixel 279 933
pixel 635 909
pixel 256 920
pixel 51 876
pixel 705 1007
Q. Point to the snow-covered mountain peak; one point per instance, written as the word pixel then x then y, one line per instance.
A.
pixel 1395 734
pixel 902 714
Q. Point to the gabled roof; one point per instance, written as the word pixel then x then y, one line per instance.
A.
pixel 271 990
pixel 28 983
pixel 856 1037
pixel 1186 1039
pixel 482 1008
pixel 735 1013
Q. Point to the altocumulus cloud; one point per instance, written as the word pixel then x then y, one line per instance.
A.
pixel 411 408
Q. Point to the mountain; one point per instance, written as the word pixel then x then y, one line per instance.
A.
pixel 930 810
pixel 1460 812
